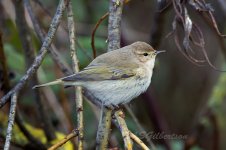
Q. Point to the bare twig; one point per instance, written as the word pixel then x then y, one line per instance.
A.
pixel 191 28
pixel 56 57
pixel 119 115
pixel 214 24
pixel 132 136
pixel 97 25
pixel 138 141
pixel 63 27
pixel 41 35
pixel 114 36
pixel 219 38
pixel 11 121
pixel 43 7
pixel 114 24
pixel 94 31
pixel 75 62
pixel 103 129
pixel 29 58
pixel 73 134
pixel 140 128
pixel 39 58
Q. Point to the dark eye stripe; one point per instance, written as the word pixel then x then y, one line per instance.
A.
pixel 145 54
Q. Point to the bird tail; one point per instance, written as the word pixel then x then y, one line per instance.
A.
pixel 59 81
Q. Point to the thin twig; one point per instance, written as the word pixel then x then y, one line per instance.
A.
pixel 39 58
pixel 138 141
pixel 103 131
pixel 43 7
pixel 41 35
pixel 140 128
pixel 119 115
pixel 63 27
pixel 219 38
pixel 11 121
pixel 59 61
pixel 75 62
pixel 94 31
pixel 114 36
pixel 43 115
pixel 96 27
pixel 189 26
pixel 132 136
pixel 73 134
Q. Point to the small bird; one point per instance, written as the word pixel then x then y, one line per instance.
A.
pixel 116 77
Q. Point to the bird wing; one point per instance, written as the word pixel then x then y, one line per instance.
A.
pixel 100 73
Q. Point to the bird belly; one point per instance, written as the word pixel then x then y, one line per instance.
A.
pixel 115 92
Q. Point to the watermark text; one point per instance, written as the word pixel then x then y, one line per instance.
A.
pixel 161 135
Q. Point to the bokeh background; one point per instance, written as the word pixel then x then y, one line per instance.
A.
pixel 184 101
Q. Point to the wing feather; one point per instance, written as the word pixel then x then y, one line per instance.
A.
pixel 97 73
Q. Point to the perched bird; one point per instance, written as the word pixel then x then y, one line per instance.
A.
pixel 115 77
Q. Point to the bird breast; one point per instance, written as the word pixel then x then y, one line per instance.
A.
pixel 115 92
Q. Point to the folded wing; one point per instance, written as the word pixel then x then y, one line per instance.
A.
pixel 101 73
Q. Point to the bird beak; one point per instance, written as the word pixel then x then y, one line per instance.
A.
pixel 161 51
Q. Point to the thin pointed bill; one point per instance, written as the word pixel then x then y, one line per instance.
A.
pixel 161 51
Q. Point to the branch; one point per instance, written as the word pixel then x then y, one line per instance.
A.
pixel 11 121
pixel 114 26
pixel 41 35
pixel 119 115
pixel 39 58
pixel 23 30
pixel 131 135
pixel 63 27
pixel 99 22
pixel 94 31
pixel 73 134
pixel 138 141
pixel 140 128
pixel 193 35
pixel 78 90
pixel 64 68
pixel 103 131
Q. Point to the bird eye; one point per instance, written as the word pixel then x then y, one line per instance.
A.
pixel 145 54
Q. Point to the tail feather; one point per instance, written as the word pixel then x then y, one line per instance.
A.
pixel 59 81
